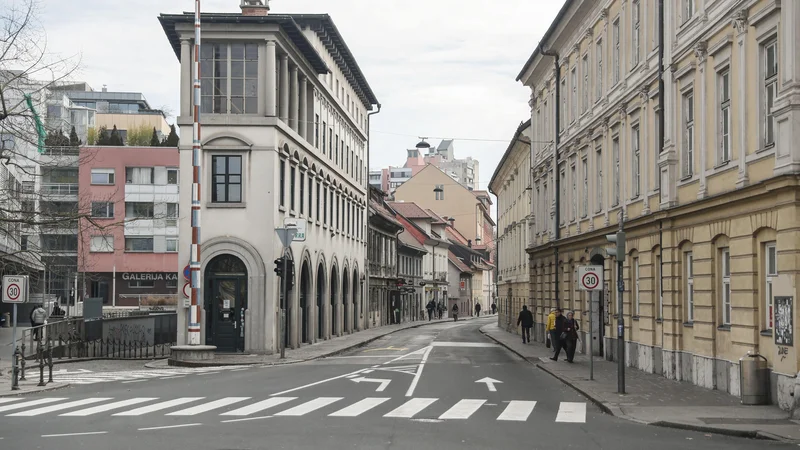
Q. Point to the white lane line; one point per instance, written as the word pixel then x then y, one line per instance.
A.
pixel 159 406
pixel 463 409
pixel 173 378
pixel 418 375
pixel 571 412
pixel 87 433
pixel 259 406
pixel 8 400
pixel 133 381
pixel 171 426
pixel 239 370
pixel 62 406
pixel 360 407
pixel 315 383
pixel 246 419
pixel 360 356
pixel 41 401
pixel 410 408
pixel 206 373
pixel 308 407
pixel 517 411
pixel 109 406
pixel 462 344
pixel 352 376
pixel 205 407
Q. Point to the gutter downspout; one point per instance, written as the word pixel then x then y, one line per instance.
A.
pixel 661 117
pixel 366 296
pixel 557 175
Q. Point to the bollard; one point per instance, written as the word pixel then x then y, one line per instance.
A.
pixel 15 371
pixel 40 354
pixel 22 362
pixel 50 359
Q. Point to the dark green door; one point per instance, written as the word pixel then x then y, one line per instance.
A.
pixel 226 313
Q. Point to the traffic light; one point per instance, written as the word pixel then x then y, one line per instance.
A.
pixel 618 251
pixel 279 267
pixel 290 274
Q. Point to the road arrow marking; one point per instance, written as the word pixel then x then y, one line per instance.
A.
pixel 490 382
pixel 383 382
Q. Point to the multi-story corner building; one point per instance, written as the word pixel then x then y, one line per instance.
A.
pixel 128 241
pixel 709 215
pixel 383 261
pixel 286 139
pixel 511 185
pixel 411 254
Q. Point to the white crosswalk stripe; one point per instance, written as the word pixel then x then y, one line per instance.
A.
pixel 247 409
pixel 360 407
pixel 517 411
pixel 571 412
pixel 83 378
pixel 205 407
pixel 307 407
pixel 463 409
pixel 159 406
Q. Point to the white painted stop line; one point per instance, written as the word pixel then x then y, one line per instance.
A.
pixel 571 412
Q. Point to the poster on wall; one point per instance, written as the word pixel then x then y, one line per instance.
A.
pixel 784 321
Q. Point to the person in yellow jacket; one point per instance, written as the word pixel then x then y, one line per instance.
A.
pixel 551 326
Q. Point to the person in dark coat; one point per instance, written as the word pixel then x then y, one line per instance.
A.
pixel 558 335
pixel 571 328
pixel 526 320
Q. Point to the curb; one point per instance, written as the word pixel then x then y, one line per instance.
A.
pixel 617 412
pixel 45 389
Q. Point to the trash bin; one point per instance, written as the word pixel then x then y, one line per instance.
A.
pixel 754 379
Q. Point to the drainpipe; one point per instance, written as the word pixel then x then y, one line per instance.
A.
pixel 557 68
pixel 366 297
pixel 661 95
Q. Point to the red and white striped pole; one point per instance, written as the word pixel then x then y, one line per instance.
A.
pixel 194 262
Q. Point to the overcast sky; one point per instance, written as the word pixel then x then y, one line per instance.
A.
pixel 440 68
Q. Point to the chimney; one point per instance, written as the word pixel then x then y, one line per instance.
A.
pixel 105 89
pixel 452 222
pixel 469 243
pixel 255 7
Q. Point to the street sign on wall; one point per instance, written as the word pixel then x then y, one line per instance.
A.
pixel 298 224
pixel 15 289
pixel 590 278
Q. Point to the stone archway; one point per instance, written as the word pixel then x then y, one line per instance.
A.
pixel 320 311
pixel 306 305
pixel 333 304
pixel 225 301
pixel 348 309
pixel 354 301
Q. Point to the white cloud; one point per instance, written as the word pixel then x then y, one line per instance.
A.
pixel 439 67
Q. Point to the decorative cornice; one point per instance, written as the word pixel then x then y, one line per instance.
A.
pixel 739 21
pixel 604 14
pixel 701 51
pixel 644 95
pixel 589 34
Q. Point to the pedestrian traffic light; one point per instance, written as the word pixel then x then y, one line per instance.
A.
pixel 279 267
pixel 619 250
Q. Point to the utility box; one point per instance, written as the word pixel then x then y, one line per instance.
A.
pixel 754 379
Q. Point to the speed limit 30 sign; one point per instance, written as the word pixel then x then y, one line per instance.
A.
pixel 15 289
pixel 590 278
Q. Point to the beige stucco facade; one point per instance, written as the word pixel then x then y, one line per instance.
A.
pixel 710 218
pixel 510 184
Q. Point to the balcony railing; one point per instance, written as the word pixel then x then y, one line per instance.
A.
pixel 62 151
pixel 59 188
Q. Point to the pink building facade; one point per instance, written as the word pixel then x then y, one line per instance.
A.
pixel 128 241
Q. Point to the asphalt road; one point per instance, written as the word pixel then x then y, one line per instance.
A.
pixel 441 386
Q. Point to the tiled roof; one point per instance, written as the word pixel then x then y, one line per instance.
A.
pixel 457 262
pixel 407 239
pixel 412 229
pixel 410 210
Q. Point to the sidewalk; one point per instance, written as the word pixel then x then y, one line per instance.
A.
pixel 28 386
pixel 307 352
pixel 654 400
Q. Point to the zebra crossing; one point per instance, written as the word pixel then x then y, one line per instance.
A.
pixel 243 407
pixel 133 376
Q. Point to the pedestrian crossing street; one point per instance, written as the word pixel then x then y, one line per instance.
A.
pixel 132 376
pixel 240 408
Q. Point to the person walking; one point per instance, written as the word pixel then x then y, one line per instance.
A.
pixel 571 328
pixel 558 335
pixel 478 309
pixel 494 308
pixel 440 308
pixel 455 312
pixel 548 329
pixel 526 320
pixel 431 305
pixel 38 317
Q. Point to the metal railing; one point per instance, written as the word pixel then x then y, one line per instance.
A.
pixel 61 151
pixel 149 302
pixel 59 189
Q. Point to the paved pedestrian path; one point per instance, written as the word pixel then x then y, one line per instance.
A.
pixel 653 399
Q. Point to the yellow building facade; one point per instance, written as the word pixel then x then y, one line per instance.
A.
pixel 711 217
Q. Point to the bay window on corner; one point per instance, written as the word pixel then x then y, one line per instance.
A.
pixel 229 78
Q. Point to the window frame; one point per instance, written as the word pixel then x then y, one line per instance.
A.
pixel 724 111
pixel 227 183
pixel 615 144
pixel 635 282
pixel 129 179
pixel 598 155
pixel 136 215
pixel 688 116
pixel 104 247
pixel 599 64
pixel 585 167
pixel 210 105
pixel 770 91
pixel 688 259
pixel 770 277
pixel 177 172
pixel 637 161
pixel 725 288
pixel 616 30
pixel 585 93
pixel 636 19
pixel 109 206
pixel 109 175
pixel 139 238
pixel 168 241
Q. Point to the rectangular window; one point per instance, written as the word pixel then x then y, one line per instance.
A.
pixel 172 214
pixel 635 164
pixel 616 31
pixel 574 200
pixel 688 134
pixel 102 176
pixel 599 169
pixel 325 205
pixel 563 112
pixel 574 99
pixel 282 181
pixel 562 207
pixel 657 282
pixel 139 175
pixel 689 286
pixel 636 33
pixel 302 191
pixel 316 131
pixel 439 192
pixel 726 286
pixel 585 92
pixel 333 153
pixel 770 90
pixel 139 210
pixel 635 283
pixel 102 244
pixel 172 245
pixel 172 176
pixel 319 190
pixel 291 187
pixel 226 175
pixel 336 150
pixel 141 283
pixel 103 210
pixel 585 169
pixel 658 148
pixel 615 150
pixel 724 154
pixel 310 193
pixel 229 83
pixel 598 81
pixel 138 244
pixel 771 272
pixel 324 139
pixel 687 10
